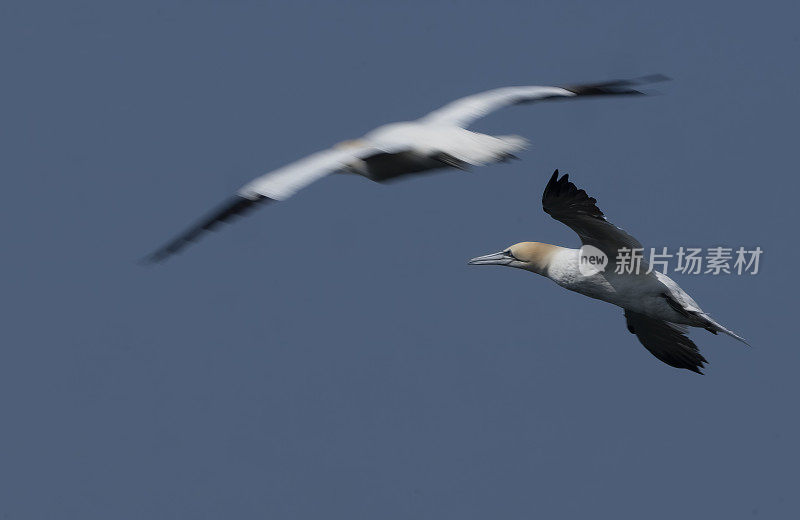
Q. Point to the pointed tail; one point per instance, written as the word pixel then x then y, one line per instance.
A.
pixel 715 327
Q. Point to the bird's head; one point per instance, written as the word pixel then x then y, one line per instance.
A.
pixel 531 256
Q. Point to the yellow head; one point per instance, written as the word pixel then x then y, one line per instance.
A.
pixel 531 256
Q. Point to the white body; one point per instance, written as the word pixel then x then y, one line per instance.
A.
pixel 438 140
pixel 426 139
pixel 642 293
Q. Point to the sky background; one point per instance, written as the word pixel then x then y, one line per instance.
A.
pixel 334 356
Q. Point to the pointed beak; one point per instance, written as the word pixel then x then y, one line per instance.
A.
pixel 500 258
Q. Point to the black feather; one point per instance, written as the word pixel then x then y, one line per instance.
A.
pixel 236 207
pixel 666 341
pixel 614 88
pixel 563 198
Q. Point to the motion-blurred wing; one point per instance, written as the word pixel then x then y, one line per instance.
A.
pixel 563 201
pixel 666 341
pixel 284 182
pixel 464 111
pixel 279 184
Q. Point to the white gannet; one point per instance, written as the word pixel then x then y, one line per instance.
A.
pixel 437 140
pixel 657 310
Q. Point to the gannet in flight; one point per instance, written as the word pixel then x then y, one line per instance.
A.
pixel 657 310
pixel 437 140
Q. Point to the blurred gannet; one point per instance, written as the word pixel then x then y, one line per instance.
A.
pixel 657 310
pixel 437 140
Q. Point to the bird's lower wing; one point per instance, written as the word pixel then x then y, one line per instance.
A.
pixel 666 341
pixel 279 184
pixel 463 112
pixel 235 207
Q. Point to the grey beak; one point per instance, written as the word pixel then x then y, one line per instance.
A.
pixel 500 258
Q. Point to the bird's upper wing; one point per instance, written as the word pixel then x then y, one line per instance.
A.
pixel 279 184
pixel 563 201
pixel 462 112
pixel 666 341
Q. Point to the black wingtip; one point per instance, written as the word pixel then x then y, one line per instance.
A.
pixel 561 194
pixel 553 181
pixel 701 364
pixel 236 207
pixel 616 87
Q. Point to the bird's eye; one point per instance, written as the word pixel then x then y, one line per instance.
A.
pixel 509 254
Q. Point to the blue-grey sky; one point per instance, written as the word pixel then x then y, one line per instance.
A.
pixel 334 356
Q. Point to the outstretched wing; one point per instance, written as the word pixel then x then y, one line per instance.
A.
pixel 666 341
pixel 462 112
pixel 279 184
pixel 235 207
pixel 563 201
